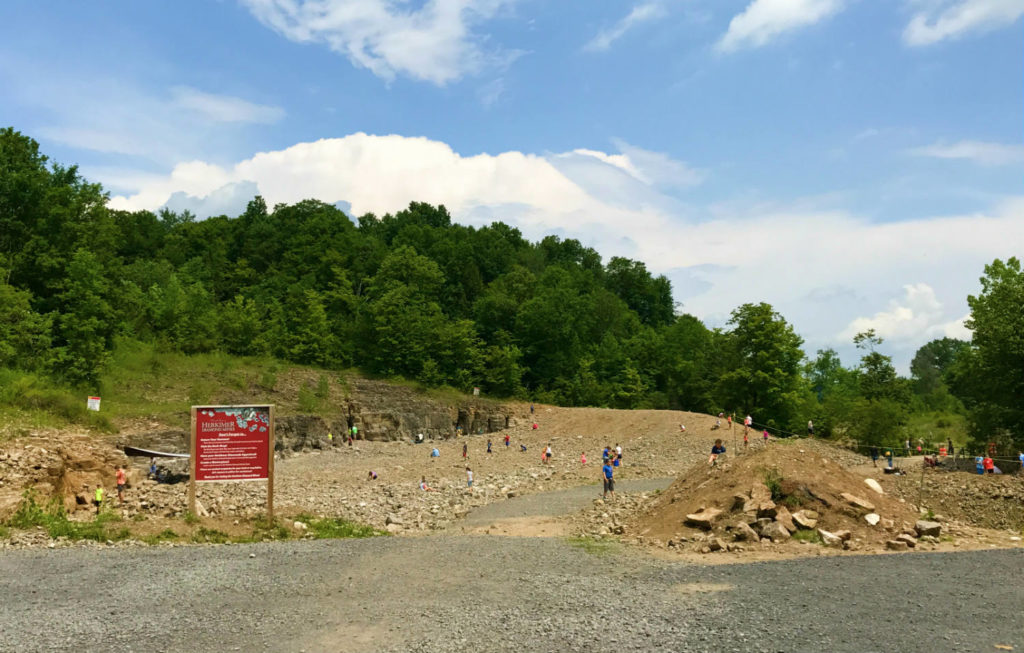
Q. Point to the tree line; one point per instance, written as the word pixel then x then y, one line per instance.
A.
pixel 413 294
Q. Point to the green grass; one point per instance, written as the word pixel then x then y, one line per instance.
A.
pixel 210 536
pixel 594 546
pixel 807 536
pixel 32 400
pixel 266 530
pixel 190 518
pixel 937 427
pixel 333 528
pixel 166 535
pixel 54 520
pixel 4 532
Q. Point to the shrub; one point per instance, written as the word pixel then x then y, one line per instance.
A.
pixel 773 481
pixel 325 528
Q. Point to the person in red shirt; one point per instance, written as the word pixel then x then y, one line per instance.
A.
pixel 122 482
pixel 989 465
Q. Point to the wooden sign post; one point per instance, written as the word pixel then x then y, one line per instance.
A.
pixel 231 443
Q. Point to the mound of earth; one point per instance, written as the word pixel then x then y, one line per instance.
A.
pixel 771 495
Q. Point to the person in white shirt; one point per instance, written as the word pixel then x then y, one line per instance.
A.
pixel 469 477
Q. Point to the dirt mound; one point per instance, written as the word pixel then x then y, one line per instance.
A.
pixel 784 487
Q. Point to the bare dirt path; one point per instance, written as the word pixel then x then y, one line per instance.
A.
pixel 554 504
pixel 498 594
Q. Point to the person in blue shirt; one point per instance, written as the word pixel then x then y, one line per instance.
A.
pixel 716 450
pixel 609 481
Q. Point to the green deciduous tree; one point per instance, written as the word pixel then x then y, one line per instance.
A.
pixel 764 379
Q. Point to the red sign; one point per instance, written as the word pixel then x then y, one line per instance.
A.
pixel 232 443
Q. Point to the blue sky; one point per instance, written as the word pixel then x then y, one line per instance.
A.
pixel 853 162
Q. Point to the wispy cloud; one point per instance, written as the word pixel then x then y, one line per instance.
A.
pixel 434 42
pixel 225 108
pixel 491 92
pixel 952 19
pixel 640 14
pixel 765 20
pixel 984 153
pixel 118 116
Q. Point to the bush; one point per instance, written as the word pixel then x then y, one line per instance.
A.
pixel 807 536
pixel 332 528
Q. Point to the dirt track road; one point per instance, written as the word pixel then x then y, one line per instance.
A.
pixel 479 594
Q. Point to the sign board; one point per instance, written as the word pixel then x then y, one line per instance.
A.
pixel 476 391
pixel 93 403
pixel 232 443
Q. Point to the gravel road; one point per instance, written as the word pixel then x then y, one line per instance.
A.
pixel 558 502
pixel 482 594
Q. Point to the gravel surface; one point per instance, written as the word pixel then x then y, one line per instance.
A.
pixel 559 502
pixel 478 594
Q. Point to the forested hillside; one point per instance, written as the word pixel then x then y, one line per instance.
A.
pixel 415 295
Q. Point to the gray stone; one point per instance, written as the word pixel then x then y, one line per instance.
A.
pixel 872 518
pixel 909 539
pixel 897 545
pixel 744 533
pixel 830 539
pixel 775 531
pixel 924 527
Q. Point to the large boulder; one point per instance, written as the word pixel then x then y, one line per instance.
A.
pixel 925 527
pixel 805 519
pixel 704 519
pixel 775 531
pixel 830 539
pixel 744 533
pixel 783 517
pixel 874 485
pixel 857 502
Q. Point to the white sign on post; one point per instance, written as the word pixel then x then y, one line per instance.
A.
pixel 93 404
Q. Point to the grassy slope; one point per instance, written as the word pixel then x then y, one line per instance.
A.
pixel 142 382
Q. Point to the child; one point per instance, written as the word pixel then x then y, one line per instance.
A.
pixel 535 427
pixel 507 440
pixel 465 450
pixel 746 442
pixel 716 450
pixel 469 477
pixel 424 486
pixel 522 447
pixel 766 437
pixel 122 482
pixel 372 476
pixel 488 445
pixel 583 458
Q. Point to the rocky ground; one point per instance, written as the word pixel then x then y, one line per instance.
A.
pixel 498 594
pixel 333 481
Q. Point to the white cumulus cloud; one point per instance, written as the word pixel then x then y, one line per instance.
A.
pixel 984 153
pixel 951 19
pixel 432 41
pixel 917 317
pixel 639 14
pixel 765 20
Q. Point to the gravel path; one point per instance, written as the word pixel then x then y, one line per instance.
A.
pixel 482 594
pixel 551 504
